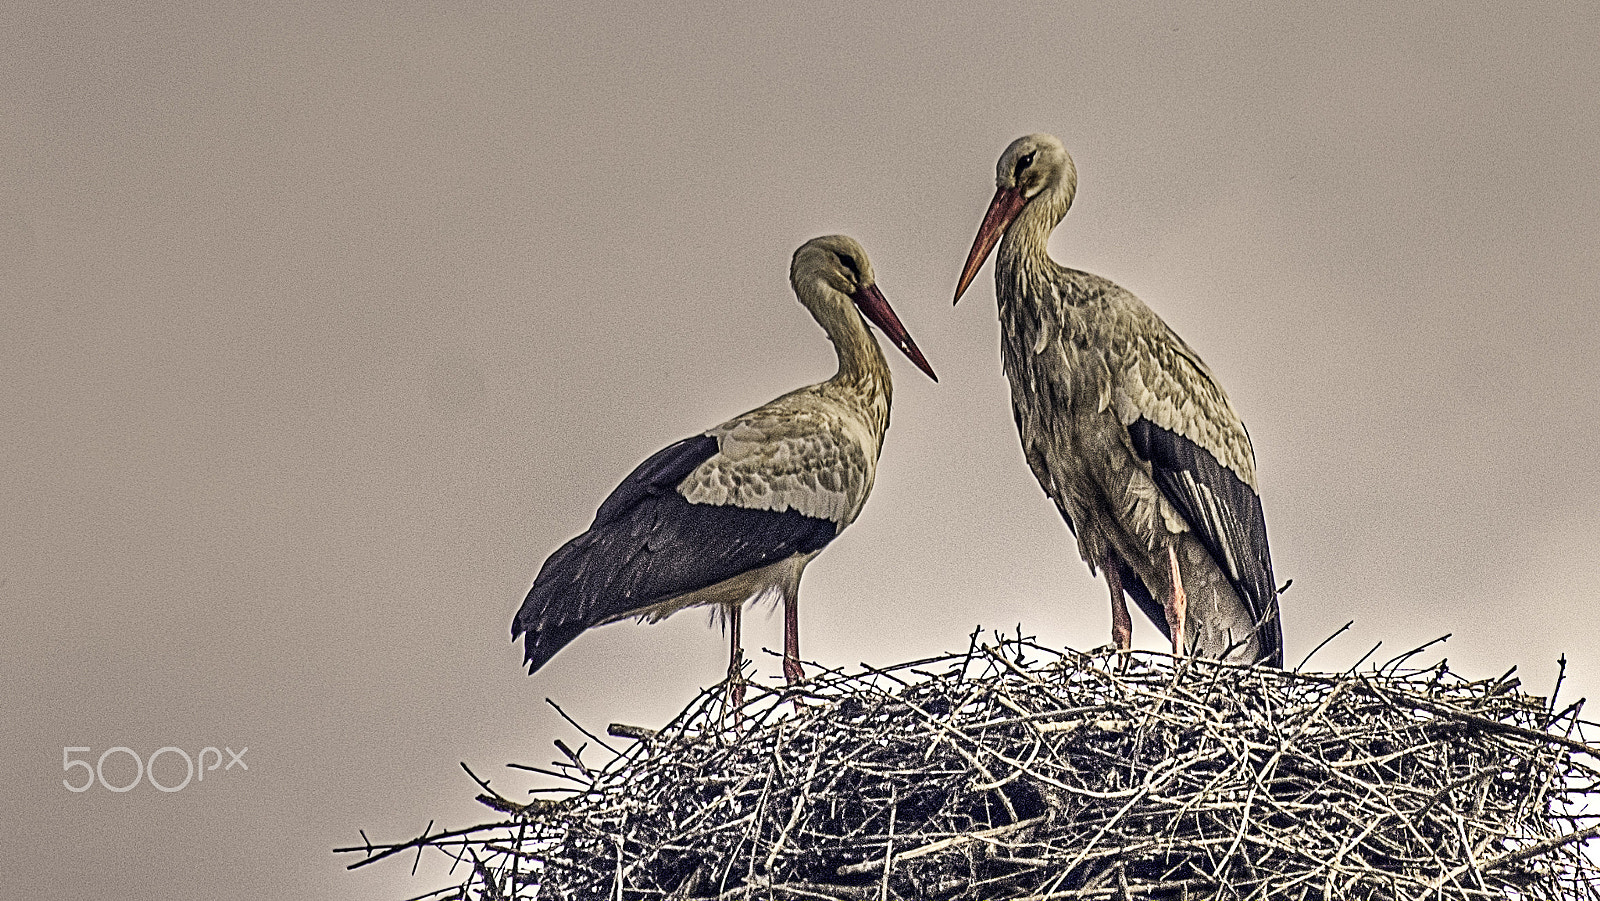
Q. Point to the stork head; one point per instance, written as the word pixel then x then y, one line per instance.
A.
pixel 1033 165
pixel 836 266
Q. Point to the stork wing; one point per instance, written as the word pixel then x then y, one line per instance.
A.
pixel 1180 420
pixel 794 454
pixel 649 543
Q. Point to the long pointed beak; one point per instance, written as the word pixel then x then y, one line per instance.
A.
pixel 1005 206
pixel 873 305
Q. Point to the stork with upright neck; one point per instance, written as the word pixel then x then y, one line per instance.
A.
pixel 735 513
pixel 1126 430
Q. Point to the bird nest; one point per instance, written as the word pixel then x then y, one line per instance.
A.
pixel 1016 771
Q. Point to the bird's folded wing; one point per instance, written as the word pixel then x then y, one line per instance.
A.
pixel 649 543
pixel 1181 422
pixel 811 462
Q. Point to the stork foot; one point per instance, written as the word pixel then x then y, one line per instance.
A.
pixel 791 639
pixel 1121 622
pixel 1177 605
pixel 736 678
pixel 1121 628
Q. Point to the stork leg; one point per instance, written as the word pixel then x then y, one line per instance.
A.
pixel 1121 622
pixel 735 658
pixel 791 637
pixel 1177 605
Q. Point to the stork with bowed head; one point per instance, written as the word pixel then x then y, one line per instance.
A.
pixel 735 513
pixel 1126 429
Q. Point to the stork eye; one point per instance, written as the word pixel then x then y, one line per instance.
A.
pixel 850 264
pixel 1024 162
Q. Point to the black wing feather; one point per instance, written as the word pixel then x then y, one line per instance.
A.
pixel 1226 515
pixel 649 544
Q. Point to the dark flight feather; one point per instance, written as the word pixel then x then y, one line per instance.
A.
pixel 1227 517
pixel 648 545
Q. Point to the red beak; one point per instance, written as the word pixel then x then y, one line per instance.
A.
pixel 873 305
pixel 1005 206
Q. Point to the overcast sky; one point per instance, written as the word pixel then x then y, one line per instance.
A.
pixel 325 323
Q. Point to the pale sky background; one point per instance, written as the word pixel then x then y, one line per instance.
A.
pixel 325 323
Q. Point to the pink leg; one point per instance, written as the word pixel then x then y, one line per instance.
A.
pixel 791 639
pixel 735 658
pixel 1121 623
pixel 1178 605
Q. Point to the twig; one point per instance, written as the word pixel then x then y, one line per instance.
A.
pixel 623 730
pixel 578 726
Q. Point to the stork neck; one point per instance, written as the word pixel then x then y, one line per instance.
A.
pixel 1024 249
pixel 862 366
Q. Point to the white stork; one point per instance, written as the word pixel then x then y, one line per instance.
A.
pixel 735 513
pixel 1126 430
